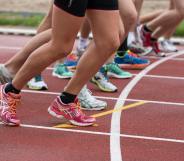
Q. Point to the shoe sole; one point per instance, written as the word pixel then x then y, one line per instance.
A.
pixel 59 76
pixel 37 88
pixel 93 108
pixel 101 88
pixel 71 121
pixel 135 66
pixel 117 76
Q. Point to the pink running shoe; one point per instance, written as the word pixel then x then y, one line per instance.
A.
pixel 8 103
pixel 71 112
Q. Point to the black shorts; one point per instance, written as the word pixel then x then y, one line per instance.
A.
pixel 78 7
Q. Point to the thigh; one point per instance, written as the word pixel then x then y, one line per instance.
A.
pixel 105 27
pixel 74 7
pixel 65 25
pixel 103 16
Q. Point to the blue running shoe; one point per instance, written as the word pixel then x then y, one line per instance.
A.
pixel 131 61
pixel 71 61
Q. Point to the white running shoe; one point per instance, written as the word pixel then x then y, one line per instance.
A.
pixel 37 83
pixel 5 76
pixel 100 79
pixel 89 102
pixel 167 46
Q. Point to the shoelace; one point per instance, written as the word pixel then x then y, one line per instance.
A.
pixel 12 103
pixel 88 94
pixel 77 109
pixel 115 67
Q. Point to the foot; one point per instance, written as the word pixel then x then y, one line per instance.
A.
pixel 131 61
pixel 5 76
pixel 8 105
pixel 71 61
pixel 61 71
pixel 37 83
pixel 101 80
pixel 89 102
pixel 113 70
pixel 71 112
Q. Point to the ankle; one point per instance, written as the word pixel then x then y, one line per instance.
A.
pixel 10 88
pixel 67 98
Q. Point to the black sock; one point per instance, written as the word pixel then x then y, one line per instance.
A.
pixel 67 97
pixel 10 88
pixel 121 53
pixel 147 29
pixel 123 46
pixel 153 39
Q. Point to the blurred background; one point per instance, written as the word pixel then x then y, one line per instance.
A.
pixel 29 13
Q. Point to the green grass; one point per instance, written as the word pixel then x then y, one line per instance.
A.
pixel 17 19
pixel 180 30
pixel 34 19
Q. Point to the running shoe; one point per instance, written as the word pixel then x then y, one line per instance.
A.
pixel 147 42
pixel 137 48
pixel 101 80
pixel 145 37
pixel 80 51
pixel 113 70
pixel 5 76
pixel 71 61
pixel 8 105
pixel 37 83
pixel 89 102
pixel 71 112
pixel 167 46
pixel 61 71
pixel 157 50
pixel 131 61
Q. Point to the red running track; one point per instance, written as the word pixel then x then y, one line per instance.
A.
pixel 153 131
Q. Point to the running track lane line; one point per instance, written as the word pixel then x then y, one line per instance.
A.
pixel 108 98
pixel 115 147
pixel 172 140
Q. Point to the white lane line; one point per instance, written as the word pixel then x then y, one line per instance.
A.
pixel 162 77
pixel 10 48
pixel 109 98
pixel 115 148
pixel 103 133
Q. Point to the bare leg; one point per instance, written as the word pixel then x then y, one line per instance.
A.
pixel 99 50
pixel 51 51
pixel 14 64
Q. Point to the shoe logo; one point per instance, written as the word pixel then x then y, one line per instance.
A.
pixel 70 3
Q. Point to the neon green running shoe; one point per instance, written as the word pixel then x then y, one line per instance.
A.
pixel 113 70
pixel 37 83
pixel 61 71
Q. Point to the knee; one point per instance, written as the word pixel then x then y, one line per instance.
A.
pixel 108 45
pixel 60 51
